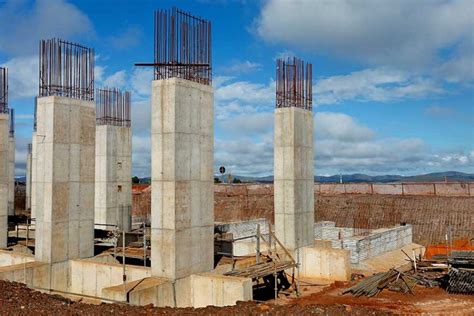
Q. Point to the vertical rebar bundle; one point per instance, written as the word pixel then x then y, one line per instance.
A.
pixel 294 80
pixel 12 122
pixel 113 107
pixel 3 90
pixel 66 69
pixel 182 46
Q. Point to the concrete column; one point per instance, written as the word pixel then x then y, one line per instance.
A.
pixel 28 180
pixel 182 213
pixel 113 176
pixel 293 177
pixel 4 128
pixel 65 179
pixel 11 175
pixel 34 148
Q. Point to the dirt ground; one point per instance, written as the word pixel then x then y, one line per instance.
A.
pixel 17 299
pixel 434 301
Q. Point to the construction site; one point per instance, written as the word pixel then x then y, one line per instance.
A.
pixel 79 238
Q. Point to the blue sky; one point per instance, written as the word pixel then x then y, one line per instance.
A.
pixel 393 81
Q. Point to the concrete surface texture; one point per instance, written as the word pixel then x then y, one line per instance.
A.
pixel 197 290
pixel 65 179
pixel 182 215
pixel 4 128
pixel 325 263
pixel 364 244
pixel 11 175
pixel 34 171
pixel 113 173
pixel 294 177
pixel 28 181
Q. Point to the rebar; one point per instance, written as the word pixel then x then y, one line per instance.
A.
pixel 3 90
pixel 182 47
pixel 294 84
pixel 12 122
pixel 113 107
pixel 66 69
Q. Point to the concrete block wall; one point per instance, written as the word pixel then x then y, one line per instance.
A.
pixel 182 216
pixel 244 228
pixel 4 146
pixel 377 242
pixel 294 177
pixel 65 179
pixel 11 175
pixel 113 173
pixel 34 172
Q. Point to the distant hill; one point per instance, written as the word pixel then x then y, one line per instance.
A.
pixel 358 177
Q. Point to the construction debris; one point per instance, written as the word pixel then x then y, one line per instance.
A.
pixel 461 281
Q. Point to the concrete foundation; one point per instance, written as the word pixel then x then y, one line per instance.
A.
pixel 113 174
pixel 11 175
pixel 293 177
pixel 28 180
pixel 34 171
pixel 325 263
pixel 65 179
pixel 4 124
pixel 182 217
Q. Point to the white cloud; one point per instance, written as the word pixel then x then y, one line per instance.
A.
pixel 377 84
pixel 23 77
pixel 329 125
pixel 401 33
pixel 116 80
pixel 23 25
pixel 241 67
pixel 141 81
pixel 246 91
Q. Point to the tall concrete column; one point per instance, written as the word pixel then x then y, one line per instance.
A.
pixel 34 171
pixel 11 171
pixel 28 178
pixel 182 234
pixel 113 174
pixel 293 177
pixel 65 179
pixel 4 122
